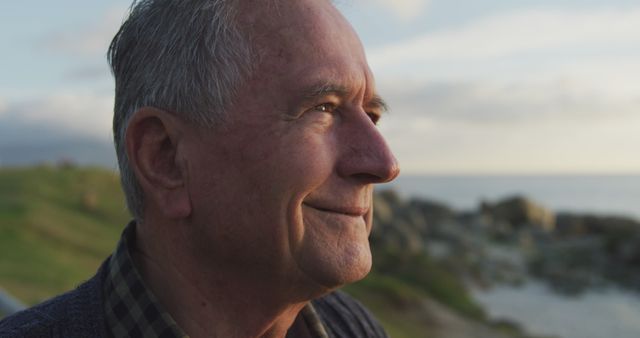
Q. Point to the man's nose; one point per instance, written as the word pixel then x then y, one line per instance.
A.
pixel 365 155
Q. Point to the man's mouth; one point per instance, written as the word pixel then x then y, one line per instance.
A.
pixel 354 211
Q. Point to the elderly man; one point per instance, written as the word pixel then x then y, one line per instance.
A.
pixel 247 142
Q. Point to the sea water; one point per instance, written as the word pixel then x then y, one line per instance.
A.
pixel 594 194
pixel 610 312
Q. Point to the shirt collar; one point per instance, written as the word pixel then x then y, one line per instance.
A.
pixel 132 310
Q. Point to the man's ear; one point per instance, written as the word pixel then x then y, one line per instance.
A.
pixel 153 147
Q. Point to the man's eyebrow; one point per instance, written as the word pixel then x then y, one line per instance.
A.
pixel 378 102
pixel 314 92
pixel 324 90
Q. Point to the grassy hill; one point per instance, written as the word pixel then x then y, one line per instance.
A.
pixel 57 224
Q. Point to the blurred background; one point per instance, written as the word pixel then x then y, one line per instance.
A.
pixel 516 124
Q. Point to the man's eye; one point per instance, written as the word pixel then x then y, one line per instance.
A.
pixel 374 117
pixel 325 107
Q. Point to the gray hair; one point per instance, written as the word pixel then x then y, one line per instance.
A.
pixel 187 56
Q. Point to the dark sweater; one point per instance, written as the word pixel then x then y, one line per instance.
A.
pixel 79 313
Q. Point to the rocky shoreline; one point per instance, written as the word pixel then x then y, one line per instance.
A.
pixel 505 242
pixel 513 239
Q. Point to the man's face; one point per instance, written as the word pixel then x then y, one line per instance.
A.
pixel 284 187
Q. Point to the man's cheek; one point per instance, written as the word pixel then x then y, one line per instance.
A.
pixel 314 155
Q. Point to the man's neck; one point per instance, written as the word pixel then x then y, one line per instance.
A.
pixel 213 302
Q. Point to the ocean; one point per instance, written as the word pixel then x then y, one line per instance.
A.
pixel 594 194
pixel 611 312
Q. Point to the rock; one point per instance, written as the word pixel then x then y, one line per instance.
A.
pixel 571 266
pixel 400 238
pixel 382 212
pixel 397 226
pixel 435 213
pixel 571 225
pixel 519 212
pixel 390 198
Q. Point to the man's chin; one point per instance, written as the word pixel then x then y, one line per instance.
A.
pixel 350 267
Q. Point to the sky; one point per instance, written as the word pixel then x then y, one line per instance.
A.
pixel 475 86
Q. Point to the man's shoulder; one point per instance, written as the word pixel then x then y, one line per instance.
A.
pixel 344 316
pixel 74 313
pixel 37 321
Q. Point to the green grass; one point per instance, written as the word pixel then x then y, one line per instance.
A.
pixel 394 303
pixel 56 226
pixel 434 279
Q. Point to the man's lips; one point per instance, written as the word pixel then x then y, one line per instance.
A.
pixel 343 210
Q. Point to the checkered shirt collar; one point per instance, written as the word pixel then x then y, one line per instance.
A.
pixel 132 310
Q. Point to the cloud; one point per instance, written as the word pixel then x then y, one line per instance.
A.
pixel 526 91
pixel 3 106
pixel 92 40
pixel 522 31
pixel 83 114
pixel 490 103
pixel 88 72
pixel 547 146
pixel 405 10
pixel 484 127
pixel 61 126
pixel 524 78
